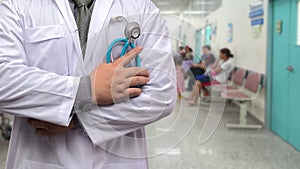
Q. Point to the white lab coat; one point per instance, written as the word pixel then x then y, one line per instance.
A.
pixel 40 66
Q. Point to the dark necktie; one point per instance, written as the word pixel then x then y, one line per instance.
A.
pixel 83 18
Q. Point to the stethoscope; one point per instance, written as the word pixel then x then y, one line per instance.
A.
pixel 132 31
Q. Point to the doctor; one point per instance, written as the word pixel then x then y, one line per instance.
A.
pixel 50 77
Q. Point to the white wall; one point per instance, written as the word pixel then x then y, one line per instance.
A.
pixel 250 53
pixel 176 23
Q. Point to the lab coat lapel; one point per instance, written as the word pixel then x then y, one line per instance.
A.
pixel 67 14
pixel 69 19
pixel 100 13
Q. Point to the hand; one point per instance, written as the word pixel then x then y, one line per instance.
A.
pixel 48 129
pixel 195 65
pixel 111 82
pixel 213 73
pixel 202 66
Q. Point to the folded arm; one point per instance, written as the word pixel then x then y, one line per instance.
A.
pixel 28 91
pixel 158 96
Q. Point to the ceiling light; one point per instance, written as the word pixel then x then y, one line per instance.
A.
pixel 204 3
pixel 195 12
pixel 163 3
pixel 169 12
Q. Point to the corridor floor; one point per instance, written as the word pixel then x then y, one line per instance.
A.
pixel 174 143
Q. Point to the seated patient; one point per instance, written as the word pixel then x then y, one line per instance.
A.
pixel 188 54
pixel 197 69
pixel 219 74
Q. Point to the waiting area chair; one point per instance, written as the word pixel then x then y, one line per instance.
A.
pixel 249 93
pixel 237 81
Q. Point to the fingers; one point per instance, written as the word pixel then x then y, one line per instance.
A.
pixel 49 129
pixel 136 71
pixel 44 132
pixel 38 124
pixel 43 125
pixel 129 56
pixel 137 81
pixel 133 92
pixel 41 132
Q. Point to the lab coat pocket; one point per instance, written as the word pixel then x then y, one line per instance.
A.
pixel 46 48
pixel 26 164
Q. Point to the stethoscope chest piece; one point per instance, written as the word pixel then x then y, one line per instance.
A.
pixel 132 31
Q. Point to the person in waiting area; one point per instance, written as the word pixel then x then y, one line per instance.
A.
pixel 197 69
pixel 219 74
pixel 188 53
pixel 207 58
pixel 179 76
pixel 182 51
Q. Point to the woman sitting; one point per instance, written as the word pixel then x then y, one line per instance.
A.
pixel 218 74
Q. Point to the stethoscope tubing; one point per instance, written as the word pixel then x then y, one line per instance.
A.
pixel 127 44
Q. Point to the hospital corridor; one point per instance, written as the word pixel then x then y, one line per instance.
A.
pixel 149 84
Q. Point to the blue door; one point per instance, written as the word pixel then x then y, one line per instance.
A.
pixel 198 46
pixel 208 31
pixel 294 76
pixel 285 117
pixel 280 76
pixel 184 40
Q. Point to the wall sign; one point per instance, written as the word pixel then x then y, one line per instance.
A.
pixel 214 31
pixel 257 22
pixel 256 31
pixel 230 32
pixel 256 13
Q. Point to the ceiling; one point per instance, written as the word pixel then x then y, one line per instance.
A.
pixel 188 7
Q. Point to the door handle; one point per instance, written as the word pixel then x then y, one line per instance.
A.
pixel 290 69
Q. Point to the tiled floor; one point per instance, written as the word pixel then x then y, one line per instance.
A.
pixel 226 149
